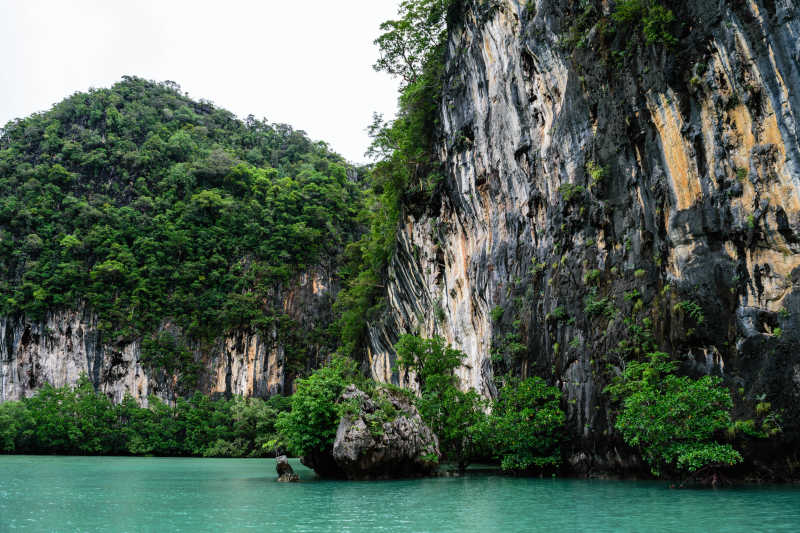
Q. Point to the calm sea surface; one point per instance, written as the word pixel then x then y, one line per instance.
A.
pixel 163 495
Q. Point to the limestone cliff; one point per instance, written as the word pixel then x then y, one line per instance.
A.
pixel 596 181
pixel 69 343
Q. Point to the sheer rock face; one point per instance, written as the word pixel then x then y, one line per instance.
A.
pixel 66 344
pixel 699 204
pixel 402 447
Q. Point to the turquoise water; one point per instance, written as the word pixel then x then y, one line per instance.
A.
pixel 161 495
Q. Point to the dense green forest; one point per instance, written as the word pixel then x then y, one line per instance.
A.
pixel 80 421
pixel 149 207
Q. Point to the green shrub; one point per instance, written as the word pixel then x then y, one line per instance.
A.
pixel 14 418
pixel 649 16
pixel 692 309
pixel 673 420
pixel 596 172
pixel 595 305
pixel 311 424
pixel 455 416
pixel 569 191
pixel 656 26
pixel 592 276
pixel 526 426
pixel 165 351
pixel 629 11
pixel 80 421
pixel 632 295
pixel 497 313
pixel 558 314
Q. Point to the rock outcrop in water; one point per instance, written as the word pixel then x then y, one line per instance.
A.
pixel 593 180
pixel 380 437
pixel 285 471
pixel 367 446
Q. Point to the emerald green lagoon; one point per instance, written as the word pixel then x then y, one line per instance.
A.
pixel 119 494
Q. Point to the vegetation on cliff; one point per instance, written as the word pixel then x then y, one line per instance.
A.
pixel 310 425
pixel 457 417
pixel 153 209
pixel 680 425
pixel 407 171
pixel 673 419
pixel 522 428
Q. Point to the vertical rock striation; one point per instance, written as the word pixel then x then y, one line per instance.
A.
pixel 593 181
pixel 66 344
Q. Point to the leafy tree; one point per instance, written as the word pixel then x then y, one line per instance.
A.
pixel 654 19
pixel 13 421
pixel 254 424
pixel 407 43
pixel 455 416
pixel 94 418
pixel 672 419
pixel 459 420
pixel 527 425
pixel 167 352
pixel 311 424
pixel 407 172
pixel 78 420
pixel 432 361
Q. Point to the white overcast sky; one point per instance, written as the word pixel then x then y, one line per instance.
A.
pixel 308 64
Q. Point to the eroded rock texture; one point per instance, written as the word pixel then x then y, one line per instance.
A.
pixel 285 471
pixel 655 183
pixel 367 447
pixel 68 343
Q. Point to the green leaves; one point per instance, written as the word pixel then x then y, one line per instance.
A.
pixel 152 208
pixel 673 420
pixel 432 361
pixel 407 43
pixel 526 426
pixel 695 457
pixel 78 420
pixel 456 417
pixel 692 309
pixel 407 172
pixel 312 422
pixel 165 351
pixel 655 20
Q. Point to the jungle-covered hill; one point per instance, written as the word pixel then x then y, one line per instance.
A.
pixel 146 206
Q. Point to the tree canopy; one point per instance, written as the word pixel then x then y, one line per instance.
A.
pixel 673 419
pixel 149 207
